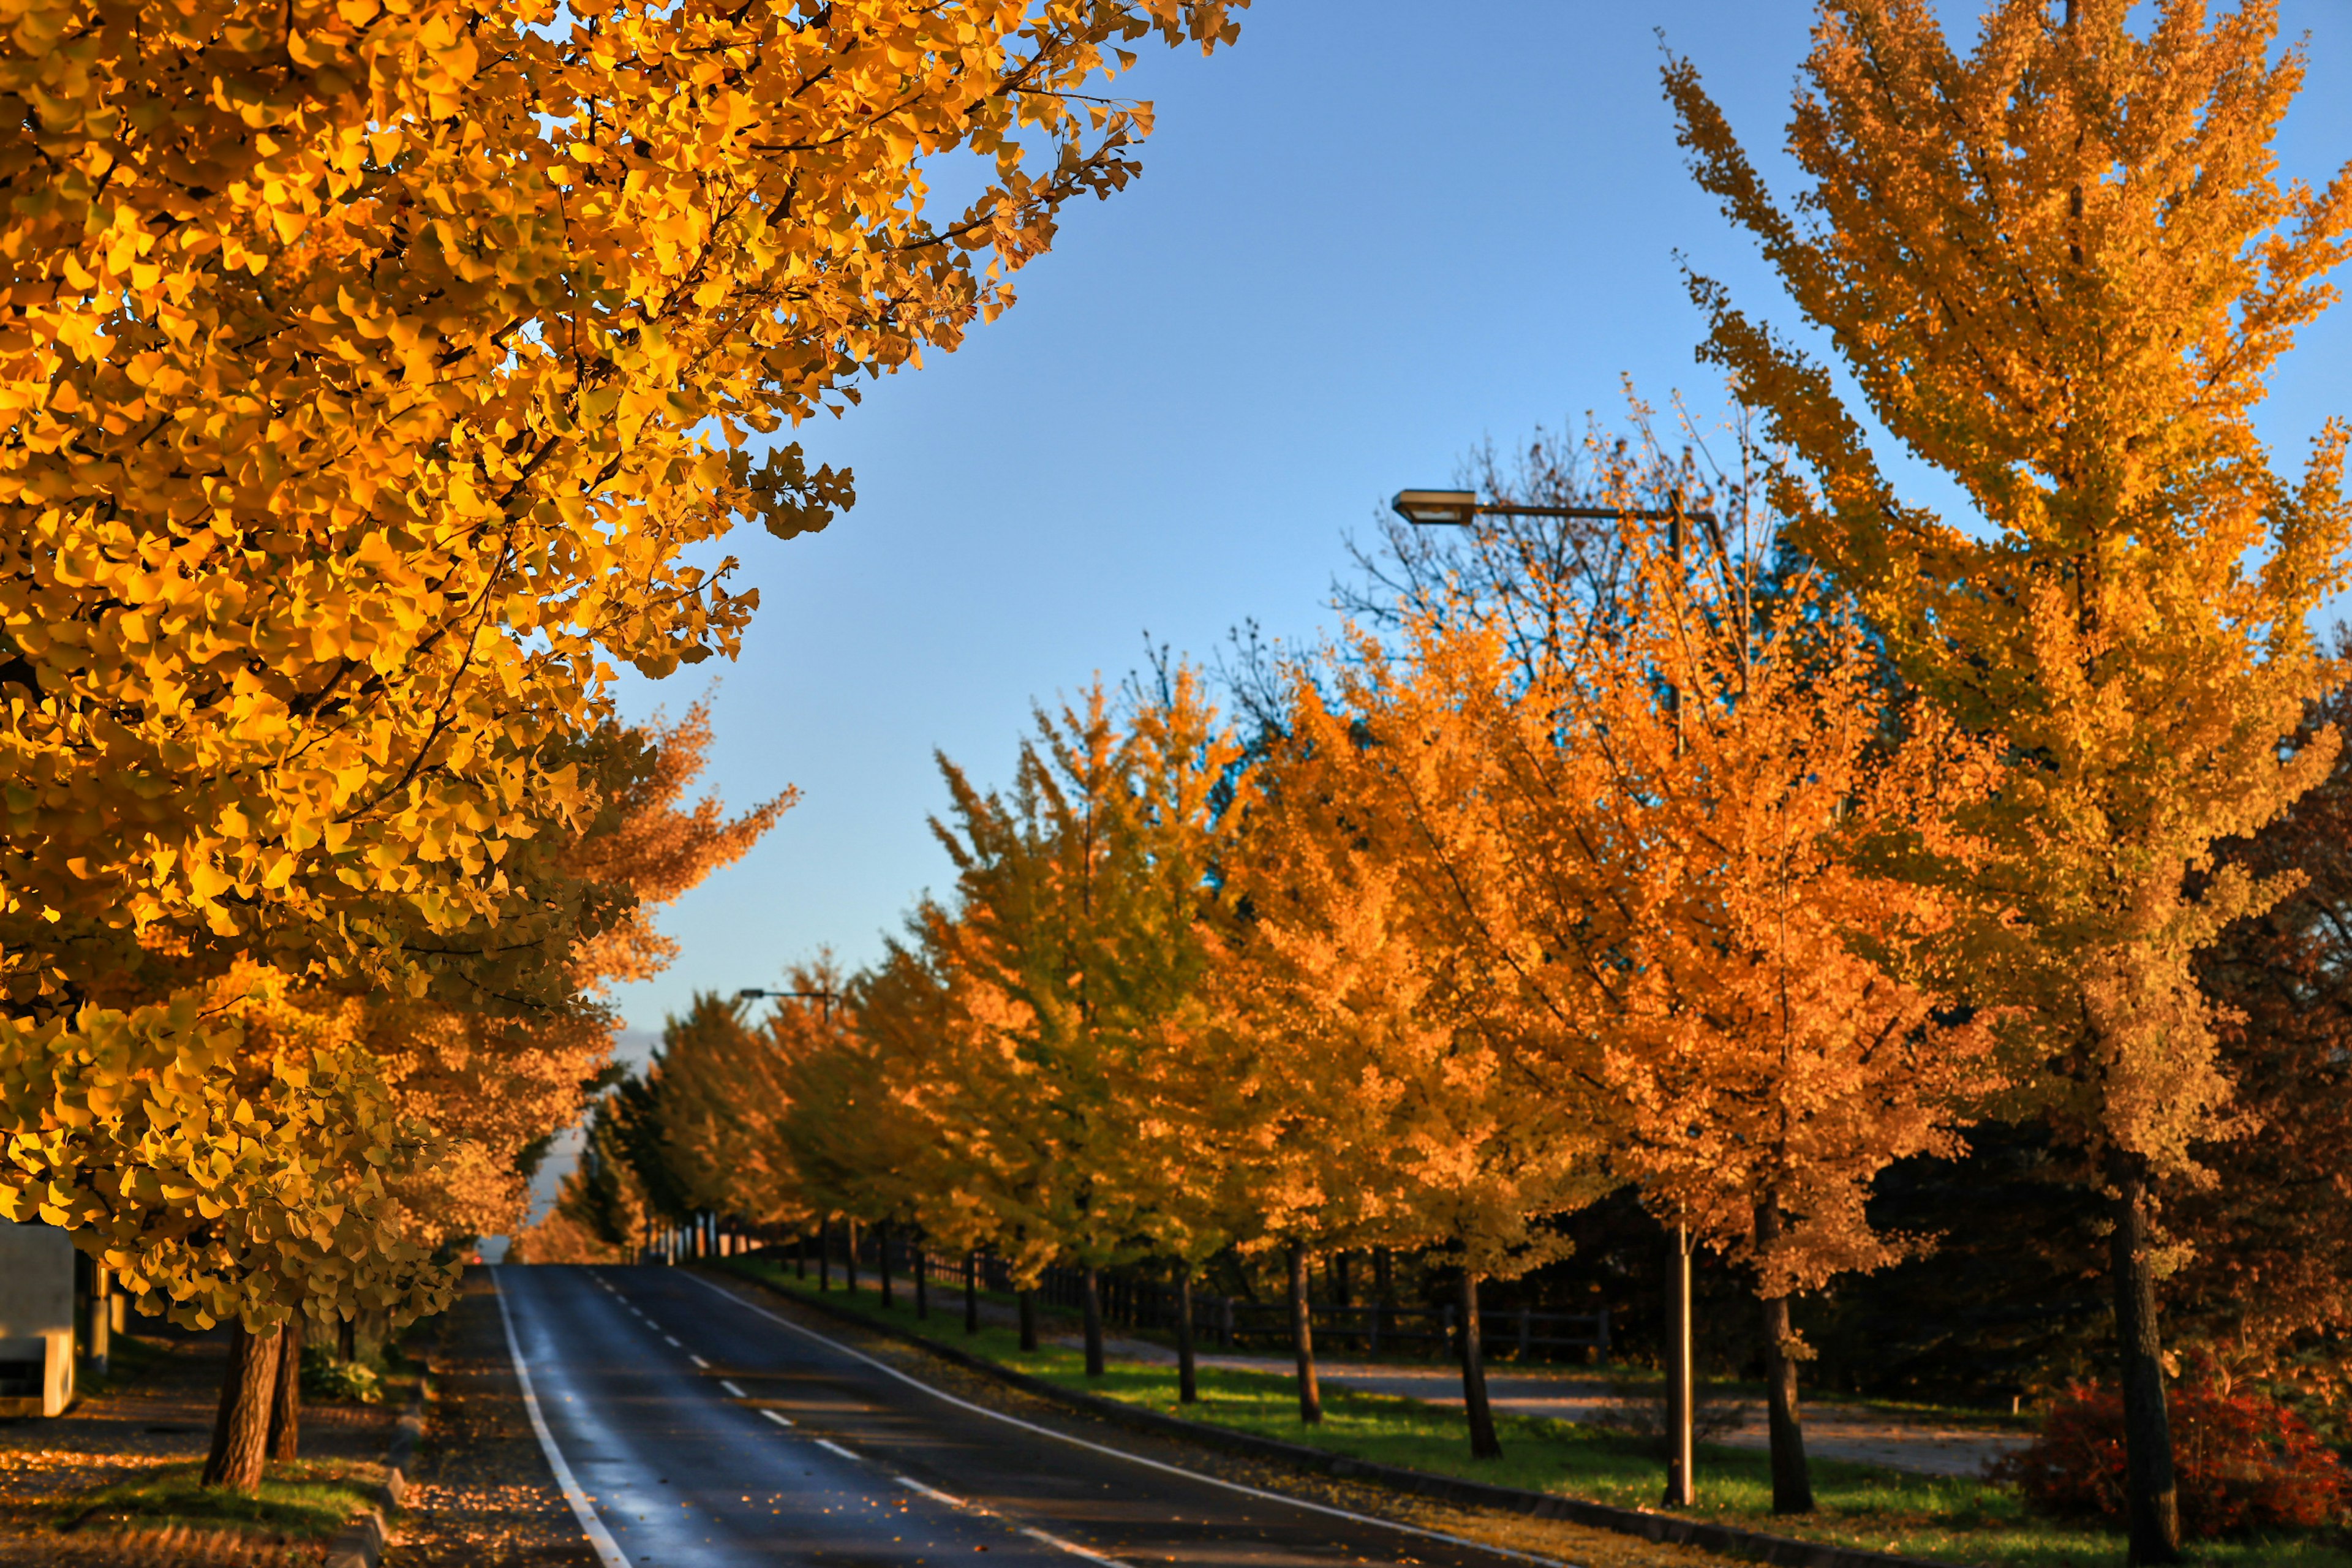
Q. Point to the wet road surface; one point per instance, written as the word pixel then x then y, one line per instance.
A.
pixel 700 1428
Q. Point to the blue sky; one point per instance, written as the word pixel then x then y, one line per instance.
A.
pixel 1367 238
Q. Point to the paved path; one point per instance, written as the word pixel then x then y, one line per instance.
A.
pixel 703 1429
pixel 1833 1431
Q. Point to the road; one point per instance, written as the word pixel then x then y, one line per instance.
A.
pixel 696 1428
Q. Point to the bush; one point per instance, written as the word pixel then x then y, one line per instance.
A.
pixel 2242 1462
pixel 326 1375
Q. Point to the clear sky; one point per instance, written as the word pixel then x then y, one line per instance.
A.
pixel 1370 236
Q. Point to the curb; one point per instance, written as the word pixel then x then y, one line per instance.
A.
pixel 362 1542
pixel 1755 1545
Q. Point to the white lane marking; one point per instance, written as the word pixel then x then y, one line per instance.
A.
pixel 608 1551
pixel 1072 1547
pixel 698 1361
pixel 779 1420
pixel 1161 1466
pixel 673 1339
pixel 732 1392
pixel 828 1442
pixel 912 1485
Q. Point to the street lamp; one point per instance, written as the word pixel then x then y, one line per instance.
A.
pixel 1426 509
pixel 753 993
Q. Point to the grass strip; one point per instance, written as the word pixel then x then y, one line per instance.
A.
pixel 1952 1519
pixel 298 1499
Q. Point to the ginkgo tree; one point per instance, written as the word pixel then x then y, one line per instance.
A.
pixel 1077 949
pixel 2059 272
pixel 1765 989
pixel 372 371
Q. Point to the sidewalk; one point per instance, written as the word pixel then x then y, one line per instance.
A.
pixel 1833 1431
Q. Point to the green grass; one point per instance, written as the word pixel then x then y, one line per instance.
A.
pixel 307 1499
pixel 1951 1519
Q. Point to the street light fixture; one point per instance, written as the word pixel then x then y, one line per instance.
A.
pixel 1426 509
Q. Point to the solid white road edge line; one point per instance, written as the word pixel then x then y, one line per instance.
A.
pixel 732 1392
pixel 1321 1508
pixel 1072 1547
pixel 836 1447
pixel 608 1551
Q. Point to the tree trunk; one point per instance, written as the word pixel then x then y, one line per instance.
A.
pixel 849 1255
pixel 285 1405
pixel 2152 1501
pixel 800 1256
pixel 825 1254
pixel 1090 1309
pixel 347 1340
pixel 923 1283
pixel 971 1292
pixel 1483 1443
pixel 241 1426
pixel 882 1261
pixel 1028 1300
pixel 1188 1386
pixel 1792 1480
pixel 1302 1336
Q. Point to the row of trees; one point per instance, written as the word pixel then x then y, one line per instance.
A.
pixel 1773 833
pixel 372 374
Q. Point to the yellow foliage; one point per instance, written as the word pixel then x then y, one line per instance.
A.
pixel 370 371
pixel 2061 271
pixel 226 1160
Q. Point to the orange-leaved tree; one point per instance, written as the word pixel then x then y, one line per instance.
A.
pixel 1765 988
pixel 1414 1085
pixel 2059 272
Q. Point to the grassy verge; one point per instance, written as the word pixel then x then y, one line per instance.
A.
pixel 1951 1519
pixel 301 1499
pixel 947 1301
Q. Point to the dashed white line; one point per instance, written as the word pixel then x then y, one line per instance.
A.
pixel 698 1361
pixel 828 1442
pixel 1055 1541
pixel 673 1340
pixel 732 1392
pixel 779 1420
pixel 1298 1502
pixel 1072 1547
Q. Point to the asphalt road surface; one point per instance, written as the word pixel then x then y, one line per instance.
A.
pixel 695 1428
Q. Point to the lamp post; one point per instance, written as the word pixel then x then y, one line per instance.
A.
pixel 1426 509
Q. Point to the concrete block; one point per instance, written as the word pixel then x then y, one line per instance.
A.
pixel 37 1326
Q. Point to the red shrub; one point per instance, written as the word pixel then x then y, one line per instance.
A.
pixel 2242 1461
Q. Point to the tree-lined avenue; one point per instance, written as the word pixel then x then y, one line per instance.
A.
pixel 636 1369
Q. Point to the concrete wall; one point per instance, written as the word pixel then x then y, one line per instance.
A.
pixel 37 1304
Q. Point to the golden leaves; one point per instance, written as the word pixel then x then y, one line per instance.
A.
pixel 2062 270
pixel 361 372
